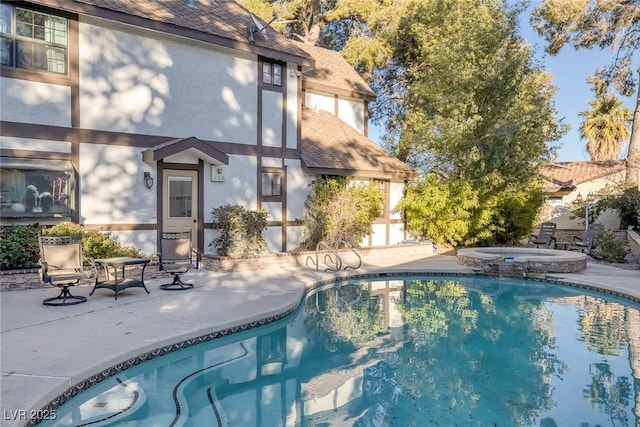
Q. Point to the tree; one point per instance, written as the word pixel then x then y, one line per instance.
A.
pixel 605 125
pixel 587 24
pixel 463 99
pixel 304 20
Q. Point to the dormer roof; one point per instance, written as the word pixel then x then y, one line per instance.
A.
pixel 329 146
pixel 333 74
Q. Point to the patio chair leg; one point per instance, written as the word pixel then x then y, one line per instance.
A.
pixel 64 298
pixel 176 285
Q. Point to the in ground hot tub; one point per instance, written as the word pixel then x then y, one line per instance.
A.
pixel 529 260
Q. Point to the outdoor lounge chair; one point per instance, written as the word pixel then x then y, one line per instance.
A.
pixel 546 236
pixel 61 259
pixel 176 257
pixel 587 242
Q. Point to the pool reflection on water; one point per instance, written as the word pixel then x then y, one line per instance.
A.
pixel 403 351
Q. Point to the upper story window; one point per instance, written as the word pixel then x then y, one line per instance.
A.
pixel 33 40
pixel 271 184
pixel 272 73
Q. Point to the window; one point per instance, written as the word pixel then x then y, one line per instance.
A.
pixel 382 186
pixel 33 40
pixel 271 184
pixel 272 73
pixel 180 192
pixel 35 188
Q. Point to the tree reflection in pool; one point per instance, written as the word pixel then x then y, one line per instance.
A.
pixel 401 351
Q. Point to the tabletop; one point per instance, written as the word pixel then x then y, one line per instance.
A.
pixel 121 261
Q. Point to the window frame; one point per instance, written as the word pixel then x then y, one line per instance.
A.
pixel 13 68
pixel 271 195
pixel 51 177
pixel 268 73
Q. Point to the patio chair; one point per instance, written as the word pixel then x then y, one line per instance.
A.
pixel 62 266
pixel 176 257
pixel 546 236
pixel 587 242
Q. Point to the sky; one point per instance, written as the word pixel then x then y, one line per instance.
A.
pixel 570 69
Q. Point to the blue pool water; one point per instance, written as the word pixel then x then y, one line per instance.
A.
pixel 402 351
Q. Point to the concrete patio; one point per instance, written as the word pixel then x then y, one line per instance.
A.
pixel 46 350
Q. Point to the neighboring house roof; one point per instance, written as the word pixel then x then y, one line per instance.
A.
pixel 563 177
pixel 329 146
pixel 333 74
pixel 223 22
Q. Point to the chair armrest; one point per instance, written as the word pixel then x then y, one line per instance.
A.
pixel 94 268
pixel 577 239
pixel 198 258
pixel 44 271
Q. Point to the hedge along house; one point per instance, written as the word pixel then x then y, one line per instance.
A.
pixel 136 117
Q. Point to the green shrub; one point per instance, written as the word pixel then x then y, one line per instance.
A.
pixel 19 244
pixel 19 247
pixel 627 204
pixel 438 210
pixel 95 243
pixel 337 209
pixel 240 230
pixel 610 248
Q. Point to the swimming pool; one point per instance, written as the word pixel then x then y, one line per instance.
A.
pixel 397 351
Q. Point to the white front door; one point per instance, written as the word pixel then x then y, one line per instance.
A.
pixel 180 202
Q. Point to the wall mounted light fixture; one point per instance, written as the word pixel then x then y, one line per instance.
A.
pixel 148 180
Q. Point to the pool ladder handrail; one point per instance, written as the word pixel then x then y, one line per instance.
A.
pixel 327 257
pixel 332 258
pixel 348 246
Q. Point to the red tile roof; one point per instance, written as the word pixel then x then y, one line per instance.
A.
pixel 332 147
pixel 564 176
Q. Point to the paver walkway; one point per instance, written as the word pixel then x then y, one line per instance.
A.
pixel 46 350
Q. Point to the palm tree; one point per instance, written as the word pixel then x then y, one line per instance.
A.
pixel 605 126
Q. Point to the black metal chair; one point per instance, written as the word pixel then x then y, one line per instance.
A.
pixel 62 266
pixel 176 257
pixel 546 235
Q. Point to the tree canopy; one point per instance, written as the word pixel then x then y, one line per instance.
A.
pixel 458 93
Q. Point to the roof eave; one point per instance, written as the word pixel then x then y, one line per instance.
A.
pixel 377 174
pixel 306 84
pixel 163 27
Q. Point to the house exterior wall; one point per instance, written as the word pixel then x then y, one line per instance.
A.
pixel 144 82
pixel 349 110
pixel 559 207
pixel 35 102
pixel 130 89
pixel 352 112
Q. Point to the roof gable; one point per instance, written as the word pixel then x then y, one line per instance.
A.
pixel 199 148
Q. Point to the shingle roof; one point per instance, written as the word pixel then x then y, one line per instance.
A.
pixel 334 74
pixel 225 20
pixel 564 176
pixel 330 146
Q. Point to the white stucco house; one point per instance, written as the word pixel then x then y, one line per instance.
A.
pixel 140 116
pixel 564 182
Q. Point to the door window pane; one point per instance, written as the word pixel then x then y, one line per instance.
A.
pixel 180 197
